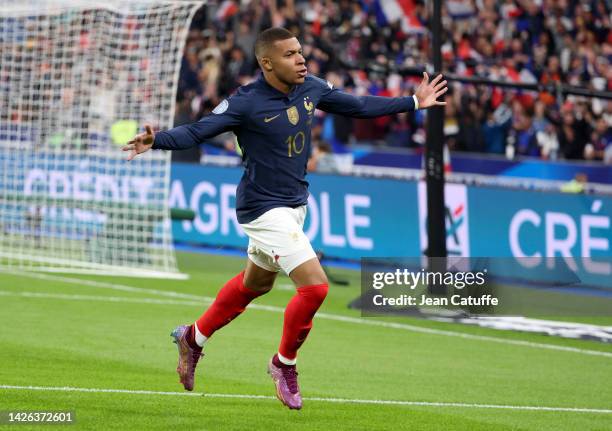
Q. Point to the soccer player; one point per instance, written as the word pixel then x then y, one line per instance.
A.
pixel 272 119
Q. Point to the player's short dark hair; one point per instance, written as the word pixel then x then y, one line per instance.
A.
pixel 267 37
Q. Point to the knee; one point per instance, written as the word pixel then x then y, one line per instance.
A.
pixel 316 293
pixel 259 282
pixel 259 288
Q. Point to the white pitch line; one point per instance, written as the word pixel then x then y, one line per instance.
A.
pixel 319 399
pixel 401 326
pixel 326 316
pixel 70 297
pixel 103 285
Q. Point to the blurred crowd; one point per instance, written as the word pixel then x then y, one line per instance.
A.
pixel 355 46
pixel 79 80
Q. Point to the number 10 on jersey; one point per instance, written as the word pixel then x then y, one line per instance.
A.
pixel 295 144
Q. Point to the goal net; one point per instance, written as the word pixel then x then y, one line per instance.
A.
pixel 77 80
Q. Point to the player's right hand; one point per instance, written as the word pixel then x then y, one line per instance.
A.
pixel 141 143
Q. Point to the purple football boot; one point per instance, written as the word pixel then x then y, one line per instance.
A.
pixel 285 380
pixel 188 356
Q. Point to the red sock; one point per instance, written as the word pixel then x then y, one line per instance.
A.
pixel 231 300
pixel 298 318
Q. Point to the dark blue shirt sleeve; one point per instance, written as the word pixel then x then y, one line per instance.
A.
pixel 338 102
pixel 228 115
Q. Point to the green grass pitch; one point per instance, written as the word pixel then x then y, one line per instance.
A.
pixel 105 333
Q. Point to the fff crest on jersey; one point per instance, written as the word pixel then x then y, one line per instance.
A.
pixel 308 105
pixel 293 115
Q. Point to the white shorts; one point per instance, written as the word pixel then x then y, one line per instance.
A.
pixel 277 239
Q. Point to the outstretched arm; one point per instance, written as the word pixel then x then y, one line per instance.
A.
pixel 190 135
pixel 339 102
pixel 226 116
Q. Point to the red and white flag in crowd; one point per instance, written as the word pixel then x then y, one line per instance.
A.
pixel 389 11
pixel 226 10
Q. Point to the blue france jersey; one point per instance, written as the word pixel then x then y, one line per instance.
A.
pixel 273 131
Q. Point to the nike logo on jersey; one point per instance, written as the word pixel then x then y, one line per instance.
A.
pixel 267 120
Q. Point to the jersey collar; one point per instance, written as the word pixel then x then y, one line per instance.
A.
pixel 261 80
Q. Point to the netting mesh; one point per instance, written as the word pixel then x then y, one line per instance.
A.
pixel 77 80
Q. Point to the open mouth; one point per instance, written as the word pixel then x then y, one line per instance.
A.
pixel 302 73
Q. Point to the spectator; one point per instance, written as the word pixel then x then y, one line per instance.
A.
pixel 322 159
pixel 601 141
pixel 494 134
pixel 574 133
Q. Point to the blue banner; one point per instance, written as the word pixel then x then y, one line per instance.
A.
pixel 563 170
pixel 347 217
pixel 574 229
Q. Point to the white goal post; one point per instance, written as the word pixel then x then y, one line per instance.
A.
pixel 77 80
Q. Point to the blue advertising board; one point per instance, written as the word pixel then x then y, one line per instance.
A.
pixel 351 217
pixel 553 233
pixel 348 217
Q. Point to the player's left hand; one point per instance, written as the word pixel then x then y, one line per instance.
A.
pixel 428 92
pixel 140 143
